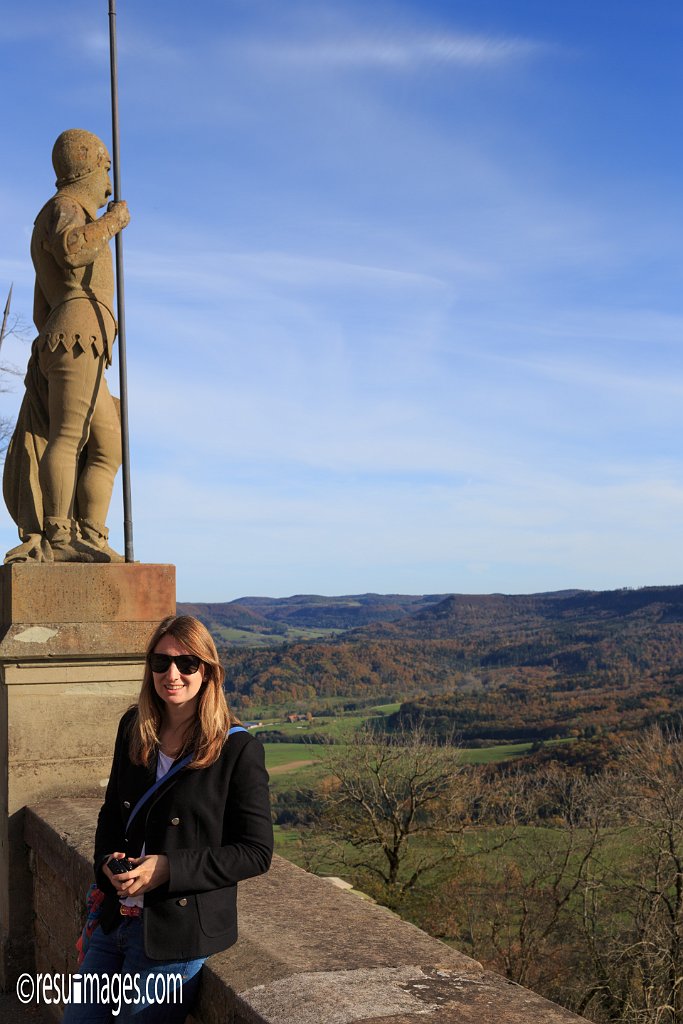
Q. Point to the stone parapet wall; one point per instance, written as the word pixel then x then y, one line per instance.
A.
pixel 308 952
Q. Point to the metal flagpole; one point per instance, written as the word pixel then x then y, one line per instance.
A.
pixel 120 305
pixel 5 315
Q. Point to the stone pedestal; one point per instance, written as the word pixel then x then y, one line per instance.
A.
pixel 72 641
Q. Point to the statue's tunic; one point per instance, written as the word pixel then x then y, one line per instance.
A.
pixel 74 293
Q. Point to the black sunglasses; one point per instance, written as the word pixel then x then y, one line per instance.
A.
pixel 187 664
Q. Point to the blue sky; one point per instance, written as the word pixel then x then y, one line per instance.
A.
pixel 403 281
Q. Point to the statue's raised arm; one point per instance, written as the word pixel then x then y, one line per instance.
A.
pixel 66 448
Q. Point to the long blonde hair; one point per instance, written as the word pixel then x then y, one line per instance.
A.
pixel 213 718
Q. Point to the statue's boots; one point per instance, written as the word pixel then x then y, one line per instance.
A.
pixel 66 545
pixel 96 537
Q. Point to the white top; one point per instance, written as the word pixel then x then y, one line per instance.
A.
pixel 164 763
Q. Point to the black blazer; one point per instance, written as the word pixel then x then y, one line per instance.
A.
pixel 214 826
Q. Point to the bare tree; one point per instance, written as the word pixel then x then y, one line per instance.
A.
pixel 519 913
pixel 13 326
pixel 6 423
pixel 585 901
pixel 633 906
pixel 394 807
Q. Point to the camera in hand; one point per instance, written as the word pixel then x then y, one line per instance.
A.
pixel 118 866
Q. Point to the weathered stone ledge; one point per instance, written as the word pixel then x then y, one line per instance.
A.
pixel 308 952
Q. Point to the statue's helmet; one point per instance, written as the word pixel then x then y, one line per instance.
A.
pixel 77 153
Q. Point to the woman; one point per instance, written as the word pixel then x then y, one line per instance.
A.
pixel 204 828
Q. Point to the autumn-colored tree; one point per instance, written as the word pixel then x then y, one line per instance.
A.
pixel 585 903
pixel 519 914
pixel 633 905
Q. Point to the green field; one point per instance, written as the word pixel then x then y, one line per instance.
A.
pixel 504 752
pixel 234 637
pixel 278 754
pixel 284 759
pixel 292 767
pixel 490 755
pixel 335 729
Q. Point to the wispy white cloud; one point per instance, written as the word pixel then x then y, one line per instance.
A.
pixel 75 29
pixel 598 377
pixel 131 43
pixel 403 53
pixel 644 328
pixel 215 270
pixel 472 537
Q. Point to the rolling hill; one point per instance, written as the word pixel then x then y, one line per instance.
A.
pixel 491 667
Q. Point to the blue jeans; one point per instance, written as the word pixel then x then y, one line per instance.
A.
pixel 117 983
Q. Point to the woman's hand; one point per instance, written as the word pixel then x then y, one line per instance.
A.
pixel 105 867
pixel 148 873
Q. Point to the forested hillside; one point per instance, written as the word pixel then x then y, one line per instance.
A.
pixel 280 616
pixel 490 667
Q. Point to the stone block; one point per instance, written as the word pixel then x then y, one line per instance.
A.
pixel 78 592
pixel 76 611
